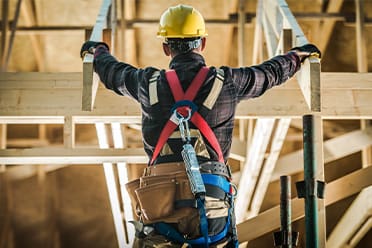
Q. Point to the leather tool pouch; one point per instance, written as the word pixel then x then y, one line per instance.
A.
pixel 156 200
pixel 156 194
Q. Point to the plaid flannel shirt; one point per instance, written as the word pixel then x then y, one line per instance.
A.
pixel 239 84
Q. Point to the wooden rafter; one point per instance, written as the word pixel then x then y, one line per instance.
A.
pixel 355 223
pixel 337 190
pixel 252 165
pixel 29 17
pixel 334 149
pixel 334 6
pixel 268 166
pixel 278 17
pixel 4 31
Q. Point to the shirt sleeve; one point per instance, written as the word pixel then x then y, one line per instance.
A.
pixel 122 78
pixel 253 81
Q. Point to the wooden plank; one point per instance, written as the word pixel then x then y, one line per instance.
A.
pixel 69 132
pixel 334 149
pixel 252 166
pixel 117 136
pixel 362 61
pixel 241 34
pixel 14 143
pixel 71 156
pixel 6 57
pixel 4 31
pixel 352 222
pixel 337 190
pixel 268 167
pixel 28 15
pixel 345 95
pixel 334 6
pixel 280 17
pixel 90 78
pixel 270 37
pixel 361 47
pixel 258 42
pixel 111 187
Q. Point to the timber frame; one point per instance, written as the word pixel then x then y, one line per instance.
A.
pixel 76 98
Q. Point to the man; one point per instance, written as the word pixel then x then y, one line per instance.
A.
pixel 188 112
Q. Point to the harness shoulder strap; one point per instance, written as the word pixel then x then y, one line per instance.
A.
pixel 196 119
pixel 153 88
pixel 216 89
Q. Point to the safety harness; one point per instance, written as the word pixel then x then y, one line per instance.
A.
pixel 185 110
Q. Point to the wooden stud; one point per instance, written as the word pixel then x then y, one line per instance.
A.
pixel 90 78
pixel 28 15
pixel 71 156
pixel 69 132
pixel 4 31
pixel 268 167
pixel 6 57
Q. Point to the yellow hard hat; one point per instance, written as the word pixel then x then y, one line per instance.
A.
pixel 181 21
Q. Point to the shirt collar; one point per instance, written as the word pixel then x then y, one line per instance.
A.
pixel 187 60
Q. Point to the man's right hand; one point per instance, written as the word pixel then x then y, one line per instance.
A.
pixel 90 46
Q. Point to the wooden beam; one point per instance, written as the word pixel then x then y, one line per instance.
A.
pixel 71 156
pixel 257 54
pixel 278 17
pixel 90 78
pixel 22 143
pixel 309 81
pixel 130 42
pixel 361 44
pixel 334 6
pixel 69 132
pixel 4 31
pixel 355 223
pixel 111 187
pixel 362 62
pixel 334 149
pixel 337 190
pixel 28 15
pixel 241 34
pixel 6 57
pixel 252 166
pixel 268 167
pixel 43 95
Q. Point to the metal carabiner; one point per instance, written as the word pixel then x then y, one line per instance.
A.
pixel 183 124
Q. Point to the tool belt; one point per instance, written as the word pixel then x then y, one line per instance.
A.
pixel 163 194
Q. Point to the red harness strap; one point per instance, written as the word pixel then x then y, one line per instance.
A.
pixel 196 118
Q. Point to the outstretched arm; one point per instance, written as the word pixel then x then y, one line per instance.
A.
pixel 255 80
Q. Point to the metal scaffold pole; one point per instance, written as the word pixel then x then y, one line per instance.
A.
pixel 285 238
pixel 310 188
